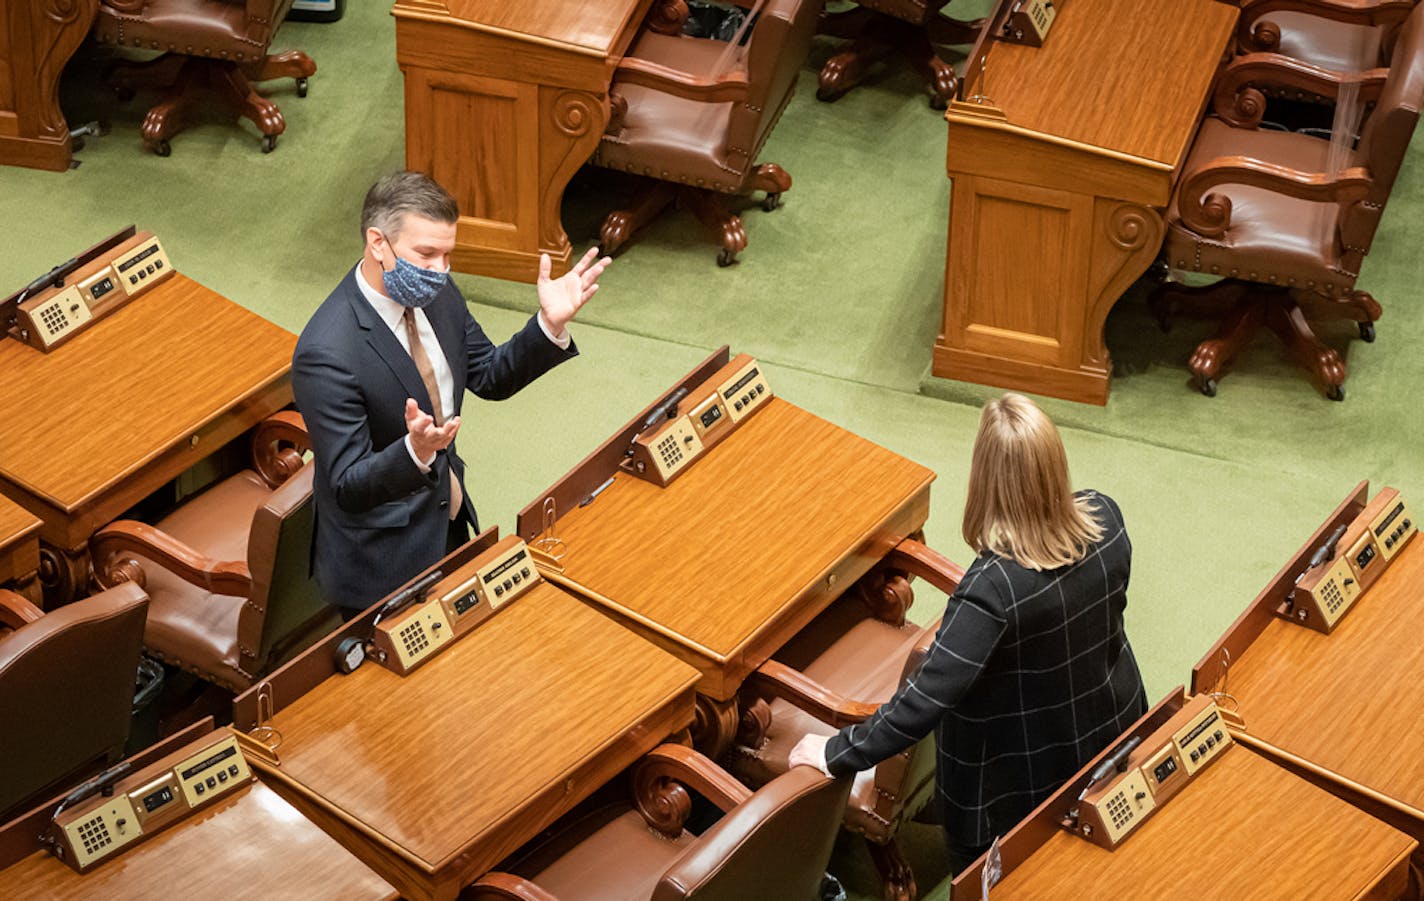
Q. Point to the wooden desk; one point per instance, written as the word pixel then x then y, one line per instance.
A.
pixel 434 778
pixel 37 38
pixel 745 548
pixel 504 101
pixel 125 406
pixel 1340 709
pixel 19 549
pixel 1060 176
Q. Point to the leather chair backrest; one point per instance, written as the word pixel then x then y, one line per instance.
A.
pixel 66 692
pixel 1385 138
pixel 286 604
pixel 777 49
pixel 774 845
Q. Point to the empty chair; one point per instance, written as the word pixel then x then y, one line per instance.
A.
pixel 908 28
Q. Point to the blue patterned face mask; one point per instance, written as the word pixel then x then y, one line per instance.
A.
pixel 411 286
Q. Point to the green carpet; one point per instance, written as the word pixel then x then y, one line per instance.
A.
pixel 839 293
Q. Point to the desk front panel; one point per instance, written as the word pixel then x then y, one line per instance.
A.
pixel 764 531
pixel 19 542
pixel 133 401
pixel 1244 828
pixel 251 847
pixel 441 769
pixel 1348 701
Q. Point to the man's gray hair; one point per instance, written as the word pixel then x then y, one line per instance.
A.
pixel 405 192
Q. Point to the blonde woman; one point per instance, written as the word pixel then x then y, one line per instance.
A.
pixel 1031 673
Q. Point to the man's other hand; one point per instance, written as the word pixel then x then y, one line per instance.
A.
pixel 560 298
pixel 425 436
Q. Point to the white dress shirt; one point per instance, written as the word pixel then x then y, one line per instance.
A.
pixel 393 314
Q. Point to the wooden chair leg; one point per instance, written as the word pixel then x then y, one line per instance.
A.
pixel 1214 301
pixel 127 77
pixel 1325 366
pixel 847 68
pixel 232 84
pixel 897 879
pixel 711 210
pixel 1357 306
pixel 288 64
pixel 772 179
pixel 620 225
pixel 1213 355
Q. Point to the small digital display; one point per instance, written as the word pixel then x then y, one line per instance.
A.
pixel 101 288
pixel 1165 769
pixel 214 760
pixel 495 574
pixel 1389 520
pixel 741 383
pixel 464 603
pixel 133 261
pixel 1363 558
pixel 157 799
pixel 711 415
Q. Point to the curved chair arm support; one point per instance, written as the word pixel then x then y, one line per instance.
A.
pixel 1209 214
pixel 661 780
pixel 667 16
pixel 125 6
pixel 729 87
pixel 278 443
pixel 16 610
pixel 777 680
pixel 505 885
pixel 1254 34
pixel 918 559
pixel 112 546
pixel 1239 103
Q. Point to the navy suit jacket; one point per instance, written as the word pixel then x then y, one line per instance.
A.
pixel 379 519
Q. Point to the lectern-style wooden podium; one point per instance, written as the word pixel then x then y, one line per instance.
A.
pixel 504 100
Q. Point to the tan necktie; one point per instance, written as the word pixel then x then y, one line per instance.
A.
pixel 432 387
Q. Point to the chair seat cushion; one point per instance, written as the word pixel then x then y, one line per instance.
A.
pixel 612 855
pixel 667 137
pixel 1271 238
pixel 1337 46
pixel 214 28
pixel 189 626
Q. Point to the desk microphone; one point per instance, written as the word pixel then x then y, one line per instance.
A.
pixel 1327 550
pixel 104 782
pixel 54 277
pixel 414 592
pixel 665 410
pixel 1116 762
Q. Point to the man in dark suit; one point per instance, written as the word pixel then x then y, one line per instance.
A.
pixel 380 373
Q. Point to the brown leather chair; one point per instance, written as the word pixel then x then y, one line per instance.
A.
pixel 836 672
pixel 1264 210
pixel 678 118
pixel 66 691
pixel 230 570
pixel 1283 45
pixel 910 28
pixel 212 47
pixel 773 843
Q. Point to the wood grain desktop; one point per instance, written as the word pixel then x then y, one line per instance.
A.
pixel 1062 158
pixel 131 403
pixel 433 778
pixel 252 846
pixel 504 101
pixel 1244 828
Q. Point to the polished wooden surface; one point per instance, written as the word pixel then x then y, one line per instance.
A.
pixel 755 539
pixel 132 402
pixel 253 845
pixel 435 777
pixel 1062 158
pixel 1347 702
pixel 504 101
pixel 37 38
pixel 1244 828
pixel 19 543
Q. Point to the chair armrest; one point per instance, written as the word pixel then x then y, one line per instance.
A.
pixel 1209 214
pixel 661 780
pixel 1239 103
pixel 728 87
pixel 774 679
pixel 126 6
pixel 278 443
pixel 505 885
pixel 112 545
pixel 918 559
pixel 16 611
pixel 667 16
pixel 1256 35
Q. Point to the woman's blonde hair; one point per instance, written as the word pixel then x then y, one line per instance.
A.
pixel 1020 504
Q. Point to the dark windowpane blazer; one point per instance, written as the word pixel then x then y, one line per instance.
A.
pixel 1029 676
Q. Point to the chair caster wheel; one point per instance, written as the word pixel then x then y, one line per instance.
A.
pixel 301 87
pixel 1335 392
pixel 1208 387
pixel 772 203
pixel 269 143
pixel 829 95
pixel 1367 332
pixel 726 258
pixel 163 148
pixel 939 103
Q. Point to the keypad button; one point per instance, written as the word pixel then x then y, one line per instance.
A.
pixel 498 590
pixel 212 781
pixel 222 776
pixel 232 771
pixel 1195 756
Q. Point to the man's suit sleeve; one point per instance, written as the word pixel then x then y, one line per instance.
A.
pixel 962 647
pixel 497 372
pixel 332 404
